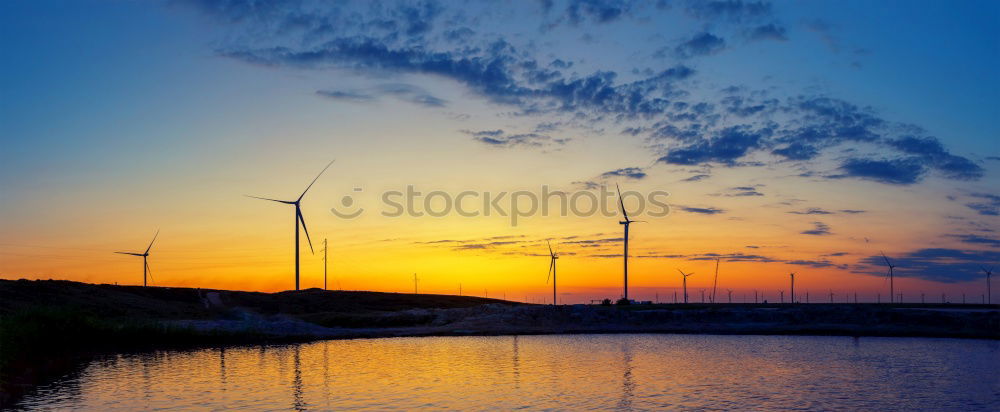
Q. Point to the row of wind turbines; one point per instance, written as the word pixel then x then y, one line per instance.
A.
pixel 553 257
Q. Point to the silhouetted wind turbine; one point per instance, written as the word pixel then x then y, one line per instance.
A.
pixel 552 271
pixel 989 294
pixel 626 223
pixel 685 277
pixel 891 267
pixel 145 265
pixel 298 218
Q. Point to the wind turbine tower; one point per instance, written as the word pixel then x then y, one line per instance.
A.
pixel 298 218
pixel 552 272
pixel 145 265
pixel 989 293
pixel 891 267
pixel 684 276
pixel 625 223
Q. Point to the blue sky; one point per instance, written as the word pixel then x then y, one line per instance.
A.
pixel 834 105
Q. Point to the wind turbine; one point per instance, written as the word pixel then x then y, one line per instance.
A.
pixel 552 271
pixel 626 223
pixel 891 267
pixel 298 218
pixel 730 295
pixel 989 273
pixel 685 277
pixel 145 265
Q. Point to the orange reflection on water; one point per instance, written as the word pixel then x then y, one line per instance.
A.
pixel 625 372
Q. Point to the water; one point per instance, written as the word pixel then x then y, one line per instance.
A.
pixel 564 372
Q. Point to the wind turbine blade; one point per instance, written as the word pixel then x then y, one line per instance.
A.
pixel 149 272
pixel 317 178
pixel 130 253
pixel 886 259
pixel 552 263
pixel 621 203
pixel 151 242
pixel 550 248
pixel 273 200
pixel 303 220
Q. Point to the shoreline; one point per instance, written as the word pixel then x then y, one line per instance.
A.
pixel 36 317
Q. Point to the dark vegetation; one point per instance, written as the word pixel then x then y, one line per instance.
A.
pixel 47 327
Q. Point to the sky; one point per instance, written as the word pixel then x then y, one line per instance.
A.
pixel 805 137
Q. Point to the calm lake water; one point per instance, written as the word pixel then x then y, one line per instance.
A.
pixel 565 372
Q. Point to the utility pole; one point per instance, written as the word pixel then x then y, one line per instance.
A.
pixel 793 287
pixel 324 263
pixel 715 283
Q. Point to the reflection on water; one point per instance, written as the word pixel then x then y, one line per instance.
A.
pixel 623 372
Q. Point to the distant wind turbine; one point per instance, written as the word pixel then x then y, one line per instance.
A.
pixel 552 271
pixel 298 218
pixel 730 295
pixel 415 280
pixel 989 294
pixel 684 276
pixel 145 265
pixel 891 267
pixel 625 223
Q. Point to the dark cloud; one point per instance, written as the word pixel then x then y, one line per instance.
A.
pixel 770 31
pixel 598 11
pixel 819 229
pixel 724 128
pixel 938 264
pixel 812 211
pixel 405 92
pixel 932 153
pixel 499 138
pixel 726 147
pixel 986 205
pixel 730 10
pixel 977 240
pixel 852 211
pixel 742 257
pixel 696 178
pixel 346 95
pixel 703 210
pixel 889 171
pixel 741 191
pixel 628 172
pixel 702 44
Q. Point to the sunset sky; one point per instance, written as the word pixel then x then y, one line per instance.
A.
pixel 791 137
